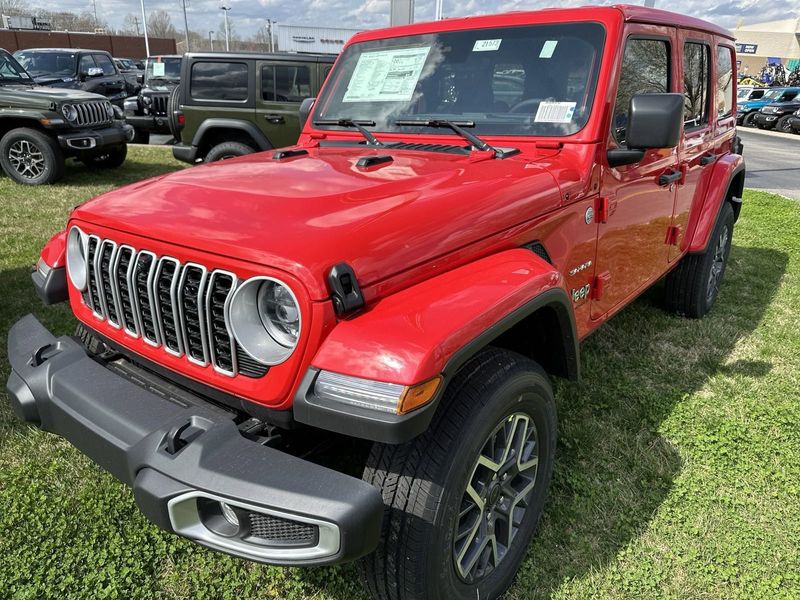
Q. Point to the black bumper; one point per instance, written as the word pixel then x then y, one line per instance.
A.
pixel 766 121
pixel 183 456
pixel 187 154
pixel 92 139
pixel 153 124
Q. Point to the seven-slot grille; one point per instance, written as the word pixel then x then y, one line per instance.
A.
pixel 179 307
pixel 92 113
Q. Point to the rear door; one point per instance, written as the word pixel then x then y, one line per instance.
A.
pixel 281 87
pixel 631 248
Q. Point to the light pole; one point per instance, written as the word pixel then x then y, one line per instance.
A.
pixel 270 24
pixel 185 25
pixel 144 25
pixel 439 10
pixel 227 29
pixel 211 40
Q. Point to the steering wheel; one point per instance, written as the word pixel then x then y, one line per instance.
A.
pixel 524 104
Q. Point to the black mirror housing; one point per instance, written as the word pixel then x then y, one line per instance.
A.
pixel 655 121
pixel 305 109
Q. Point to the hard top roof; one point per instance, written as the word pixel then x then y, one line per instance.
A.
pixel 278 56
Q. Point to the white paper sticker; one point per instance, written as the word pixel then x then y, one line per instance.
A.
pixel 386 75
pixel 548 48
pixel 159 69
pixel 555 112
pixel 486 45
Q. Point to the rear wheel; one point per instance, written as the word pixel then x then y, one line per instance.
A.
pixel 228 150
pixel 464 498
pixel 783 124
pixel 693 286
pixel 30 157
pixel 109 158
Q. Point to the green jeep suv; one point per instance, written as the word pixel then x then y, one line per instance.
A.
pixel 234 104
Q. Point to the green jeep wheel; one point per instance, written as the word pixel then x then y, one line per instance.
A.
pixel 30 157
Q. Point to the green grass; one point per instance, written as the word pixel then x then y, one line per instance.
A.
pixel 678 470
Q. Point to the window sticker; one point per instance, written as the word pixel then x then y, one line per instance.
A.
pixel 159 69
pixel 386 75
pixel 555 112
pixel 548 48
pixel 486 45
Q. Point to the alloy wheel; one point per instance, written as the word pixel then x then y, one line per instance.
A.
pixel 27 159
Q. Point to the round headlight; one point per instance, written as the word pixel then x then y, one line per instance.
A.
pixel 109 110
pixel 147 100
pixel 76 258
pixel 70 112
pixel 264 317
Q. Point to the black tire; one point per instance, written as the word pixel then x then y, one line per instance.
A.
pixel 227 150
pixel 173 105
pixel 747 120
pixel 783 124
pixel 110 158
pixel 690 289
pixel 141 137
pixel 30 157
pixel 424 483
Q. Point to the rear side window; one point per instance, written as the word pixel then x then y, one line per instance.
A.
pixel 285 83
pixel 725 100
pixel 226 81
pixel 695 85
pixel 104 63
pixel 645 70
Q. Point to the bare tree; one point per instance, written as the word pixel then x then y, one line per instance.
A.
pixel 68 21
pixel 159 25
pixel 14 8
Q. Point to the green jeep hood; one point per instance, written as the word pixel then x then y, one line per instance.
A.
pixel 39 96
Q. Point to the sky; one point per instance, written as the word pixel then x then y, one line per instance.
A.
pixel 249 15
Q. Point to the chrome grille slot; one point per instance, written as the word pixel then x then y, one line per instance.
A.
pixel 123 286
pixel 91 114
pixel 220 340
pixel 164 294
pixel 159 104
pixel 91 267
pixel 192 318
pixel 143 274
pixel 105 260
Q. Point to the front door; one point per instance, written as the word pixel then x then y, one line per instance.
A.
pixel 631 246
pixel 282 86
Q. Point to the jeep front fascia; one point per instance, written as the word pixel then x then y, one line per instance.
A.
pixel 458 213
pixel 147 111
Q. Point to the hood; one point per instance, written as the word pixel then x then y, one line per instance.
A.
pixel 308 213
pixel 37 96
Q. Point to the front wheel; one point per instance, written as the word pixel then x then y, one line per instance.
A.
pixel 748 119
pixel 141 137
pixel 464 498
pixel 30 157
pixel 784 125
pixel 110 158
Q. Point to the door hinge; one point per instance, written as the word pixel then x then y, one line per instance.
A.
pixel 601 210
pixel 599 284
pixel 673 235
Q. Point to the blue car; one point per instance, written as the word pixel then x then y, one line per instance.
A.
pixel 747 110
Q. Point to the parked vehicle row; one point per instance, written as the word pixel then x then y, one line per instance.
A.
pixel 769 108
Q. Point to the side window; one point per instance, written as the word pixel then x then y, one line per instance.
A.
pixel 105 63
pixel 725 102
pixel 282 83
pixel 226 81
pixel 695 84
pixel 645 70
pixel 87 62
pixel 787 96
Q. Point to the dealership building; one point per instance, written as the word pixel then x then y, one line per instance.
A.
pixel 301 38
pixel 774 41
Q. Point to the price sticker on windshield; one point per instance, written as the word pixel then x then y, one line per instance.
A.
pixel 486 45
pixel 159 69
pixel 555 112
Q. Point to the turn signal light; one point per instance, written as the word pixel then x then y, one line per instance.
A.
pixel 418 395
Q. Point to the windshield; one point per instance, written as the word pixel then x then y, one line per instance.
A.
pixel 11 71
pixel 163 69
pixel 60 64
pixel 531 80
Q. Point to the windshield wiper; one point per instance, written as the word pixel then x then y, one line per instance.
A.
pixel 359 125
pixel 455 126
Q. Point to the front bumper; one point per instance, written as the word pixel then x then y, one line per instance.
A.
pixel 183 456
pixel 151 123
pixel 766 121
pixel 91 139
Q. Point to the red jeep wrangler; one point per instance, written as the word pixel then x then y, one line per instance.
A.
pixel 468 200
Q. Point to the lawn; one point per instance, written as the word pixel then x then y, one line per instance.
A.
pixel 678 469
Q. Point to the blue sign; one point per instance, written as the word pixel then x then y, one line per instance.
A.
pixel 747 48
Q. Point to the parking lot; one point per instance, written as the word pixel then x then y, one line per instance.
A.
pixel 773 161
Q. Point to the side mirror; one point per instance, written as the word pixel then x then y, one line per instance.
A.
pixel 305 109
pixel 654 121
pixel 93 72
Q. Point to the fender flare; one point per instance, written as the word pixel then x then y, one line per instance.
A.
pixel 431 329
pixel 247 127
pixel 704 217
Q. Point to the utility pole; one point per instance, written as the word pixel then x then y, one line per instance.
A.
pixel 144 25
pixel 211 40
pixel 136 23
pixel 227 29
pixel 270 23
pixel 185 25
pixel 94 7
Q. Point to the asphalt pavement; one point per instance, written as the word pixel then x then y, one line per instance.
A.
pixel 773 161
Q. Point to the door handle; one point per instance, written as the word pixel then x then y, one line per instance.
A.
pixel 276 119
pixel 707 159
pixel 669 178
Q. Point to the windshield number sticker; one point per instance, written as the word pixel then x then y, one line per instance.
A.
pixel 555 112
pixel 548 48
pixel 159 69
pixel 486 45
pixel 386 75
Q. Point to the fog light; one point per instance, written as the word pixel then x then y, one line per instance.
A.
pixel 229 514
